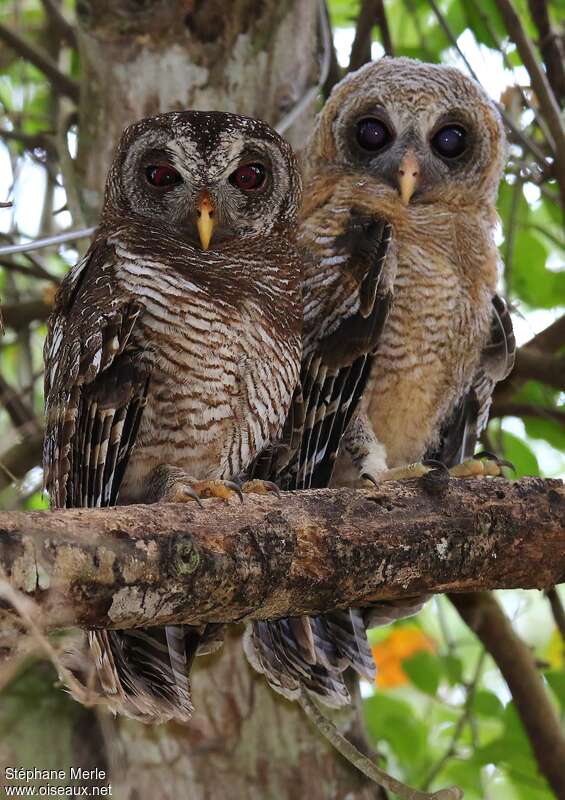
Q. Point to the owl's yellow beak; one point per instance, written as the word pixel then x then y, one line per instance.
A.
pixel 205 221
pixel 408 176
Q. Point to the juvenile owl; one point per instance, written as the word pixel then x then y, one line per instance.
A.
pixel 174 350
pixel 404 335
pixel 399 215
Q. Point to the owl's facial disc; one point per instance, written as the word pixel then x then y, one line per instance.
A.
pixel 213 178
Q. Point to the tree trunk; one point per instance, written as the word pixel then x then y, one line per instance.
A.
pixel 243 743
pixel 254 57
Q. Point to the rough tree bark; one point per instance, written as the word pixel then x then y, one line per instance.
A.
pixel 302 553
pixel 254 57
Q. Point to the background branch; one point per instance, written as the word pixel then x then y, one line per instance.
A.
pixel 552 47
pixel 516 663
pixel 19 315
pixel 59 81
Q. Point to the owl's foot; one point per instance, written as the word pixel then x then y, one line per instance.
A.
pixel 173 485
pixel 481 465
pixel 260 487
pixel 405 473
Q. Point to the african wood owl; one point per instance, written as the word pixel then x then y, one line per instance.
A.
pixel 174 350
pixel 404 336
pixel 399 213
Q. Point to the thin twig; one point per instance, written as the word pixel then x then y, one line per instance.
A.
pixel 464 718
pixel 517 133
pixel 485 19
pixel 29 613
pixel 60 82
pixel 20 415
pixel 557 610
pixel 513 657
pixel 334 71
pixel 47 241
pixel 32 141
pixel 364 764
pixel 510 234
pixel 67 164
pixel 540 85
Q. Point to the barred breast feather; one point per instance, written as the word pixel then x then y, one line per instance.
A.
pixel 159 354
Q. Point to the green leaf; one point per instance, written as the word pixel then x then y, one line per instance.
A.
pixel 547 429
pixel 516 451
pixel 465 774
pixel 392 720
pixel 423 669
pixel 531 281
pixel 556 680
pixel 487 704
pixel 453 669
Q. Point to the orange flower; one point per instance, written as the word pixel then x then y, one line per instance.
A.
pixel 389 654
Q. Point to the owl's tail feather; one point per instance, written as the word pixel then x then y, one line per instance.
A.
pixel 311 653
pixel 144 672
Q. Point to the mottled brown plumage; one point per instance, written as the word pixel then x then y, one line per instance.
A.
pixel 170 367
pixel 446 337
pixel 400 306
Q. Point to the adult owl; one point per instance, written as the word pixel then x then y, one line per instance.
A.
pixel 404 334
pixel 174 350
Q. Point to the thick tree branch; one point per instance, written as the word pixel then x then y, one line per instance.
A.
pixel 514 659
pixel 372 12
pixel 528 410
pixel 20 315
pixel 44 63
pixel 20 458
pixel 60 23
pixel 551 339
pixel 301 554
pixel 531 365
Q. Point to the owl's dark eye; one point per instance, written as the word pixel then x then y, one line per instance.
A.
pixel 372 134
pixel 248 177
pixel 163 176
pixel 450 141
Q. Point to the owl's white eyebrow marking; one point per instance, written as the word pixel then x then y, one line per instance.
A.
pixel 186 150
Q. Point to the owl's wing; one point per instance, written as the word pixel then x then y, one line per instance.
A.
pixel 346 297
pixel 95 389
pixel 354 281
pixel 461 431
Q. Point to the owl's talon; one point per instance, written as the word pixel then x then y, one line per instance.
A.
pixel 235 487
pixel 436 480
pixel 261 487
pixel 180 492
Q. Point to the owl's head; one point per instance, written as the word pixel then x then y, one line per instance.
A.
pixel 213 176
pixel 426 130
